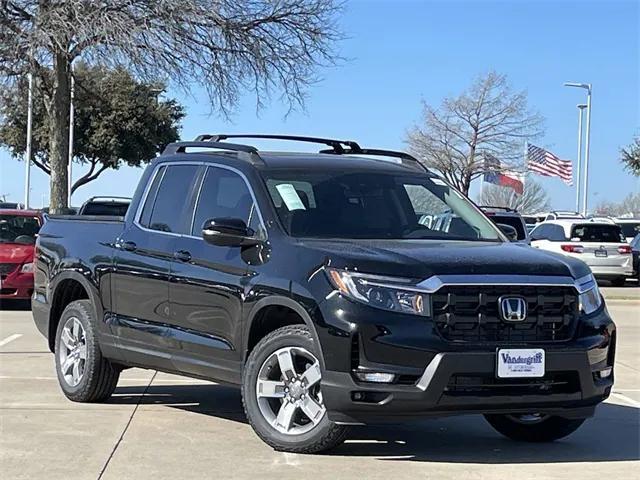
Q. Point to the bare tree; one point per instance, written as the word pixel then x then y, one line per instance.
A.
pixel 488 120
pixel 630 205
pixel 534 198
pixel 224 46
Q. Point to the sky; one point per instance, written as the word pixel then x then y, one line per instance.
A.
pixel 401 53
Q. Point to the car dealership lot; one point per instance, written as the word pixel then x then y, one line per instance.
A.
pixel 164 426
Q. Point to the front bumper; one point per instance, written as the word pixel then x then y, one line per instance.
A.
pixel 16 285
pixel 435 377
pixel 438 393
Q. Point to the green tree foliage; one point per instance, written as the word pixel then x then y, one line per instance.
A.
pixel 118 121
pixel 631 157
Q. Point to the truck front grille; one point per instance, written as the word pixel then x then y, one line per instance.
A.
pixel 487 385
pixel 472 313
pixel 7 268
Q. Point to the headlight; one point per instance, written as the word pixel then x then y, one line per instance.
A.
pixel 590 300
pixel 388 293
pixel 27 268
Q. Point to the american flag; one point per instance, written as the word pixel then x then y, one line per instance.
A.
pixel 546 163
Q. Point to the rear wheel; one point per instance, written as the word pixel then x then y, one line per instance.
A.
pixel 534 427
pixel 83 373
pixel 281 393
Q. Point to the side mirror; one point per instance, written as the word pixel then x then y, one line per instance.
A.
pixel 509 231
pixel 228 232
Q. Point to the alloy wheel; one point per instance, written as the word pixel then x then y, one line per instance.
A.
pixel 72 351
pixel 288 391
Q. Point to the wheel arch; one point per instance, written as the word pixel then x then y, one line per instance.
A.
pixel 68 287
pixel 258 310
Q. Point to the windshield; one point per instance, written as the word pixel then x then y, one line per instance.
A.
pixel 630 229
pixel 597 233
pixel 367 205
pixel 18 229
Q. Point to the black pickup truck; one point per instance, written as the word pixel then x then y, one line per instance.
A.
pixel 309 280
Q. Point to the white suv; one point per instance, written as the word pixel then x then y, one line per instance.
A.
pixel 601 245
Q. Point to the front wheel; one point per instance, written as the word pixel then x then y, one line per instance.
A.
pixel 281 393
pixel 534 427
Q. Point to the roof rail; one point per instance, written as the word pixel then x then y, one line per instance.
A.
pixel 338 147
pixel 180 147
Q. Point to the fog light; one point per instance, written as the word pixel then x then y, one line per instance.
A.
pixel 606 372
pixel 376 377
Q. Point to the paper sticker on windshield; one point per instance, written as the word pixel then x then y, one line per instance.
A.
pixel 290 197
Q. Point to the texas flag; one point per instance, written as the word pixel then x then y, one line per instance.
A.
pixel 494 174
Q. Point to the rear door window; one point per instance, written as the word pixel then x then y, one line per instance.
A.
pixel 630 229
pixel 170 211
pixel 597 233
pixel 555 233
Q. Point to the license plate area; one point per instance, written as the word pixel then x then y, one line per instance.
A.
pixel 520 363
pixel 601 253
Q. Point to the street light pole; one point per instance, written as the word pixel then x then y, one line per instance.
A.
pixel 587 87
pixel 581 108
pixel 27 153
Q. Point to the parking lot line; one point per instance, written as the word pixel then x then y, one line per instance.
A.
pixel 10 338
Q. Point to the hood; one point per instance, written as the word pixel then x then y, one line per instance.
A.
pixel 16 253
pixel 424 258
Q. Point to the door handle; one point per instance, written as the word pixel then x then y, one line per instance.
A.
pixel 128 246
pixel 182 255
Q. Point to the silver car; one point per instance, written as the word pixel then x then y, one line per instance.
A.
pixel 601 245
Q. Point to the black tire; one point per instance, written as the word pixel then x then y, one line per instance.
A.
pixel 324 436
pixel 618 281
pixel 545 430
pixel 100 376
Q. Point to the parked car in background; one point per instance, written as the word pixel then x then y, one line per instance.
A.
pixel 635 252
pixel 105 206
pixel 630 227
pixel 511 217
pixel 11 206
pixel 600 245
pixel 18 231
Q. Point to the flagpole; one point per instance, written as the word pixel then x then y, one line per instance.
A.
pixel 581 108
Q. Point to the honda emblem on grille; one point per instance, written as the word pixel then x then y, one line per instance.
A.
pixel 513 309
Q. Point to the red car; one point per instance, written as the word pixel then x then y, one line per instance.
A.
pixel 18 231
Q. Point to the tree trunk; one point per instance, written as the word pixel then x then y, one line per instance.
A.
pixel 59 133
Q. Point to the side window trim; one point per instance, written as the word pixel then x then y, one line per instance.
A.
pixel 159 170
pixel 143 200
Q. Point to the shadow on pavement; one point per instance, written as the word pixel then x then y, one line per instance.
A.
pixel 612 435
pixel 15 305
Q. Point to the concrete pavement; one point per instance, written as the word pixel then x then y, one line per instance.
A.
pixel 163 426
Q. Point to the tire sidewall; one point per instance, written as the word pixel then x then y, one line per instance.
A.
pixel 295 337
pixel 81 311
